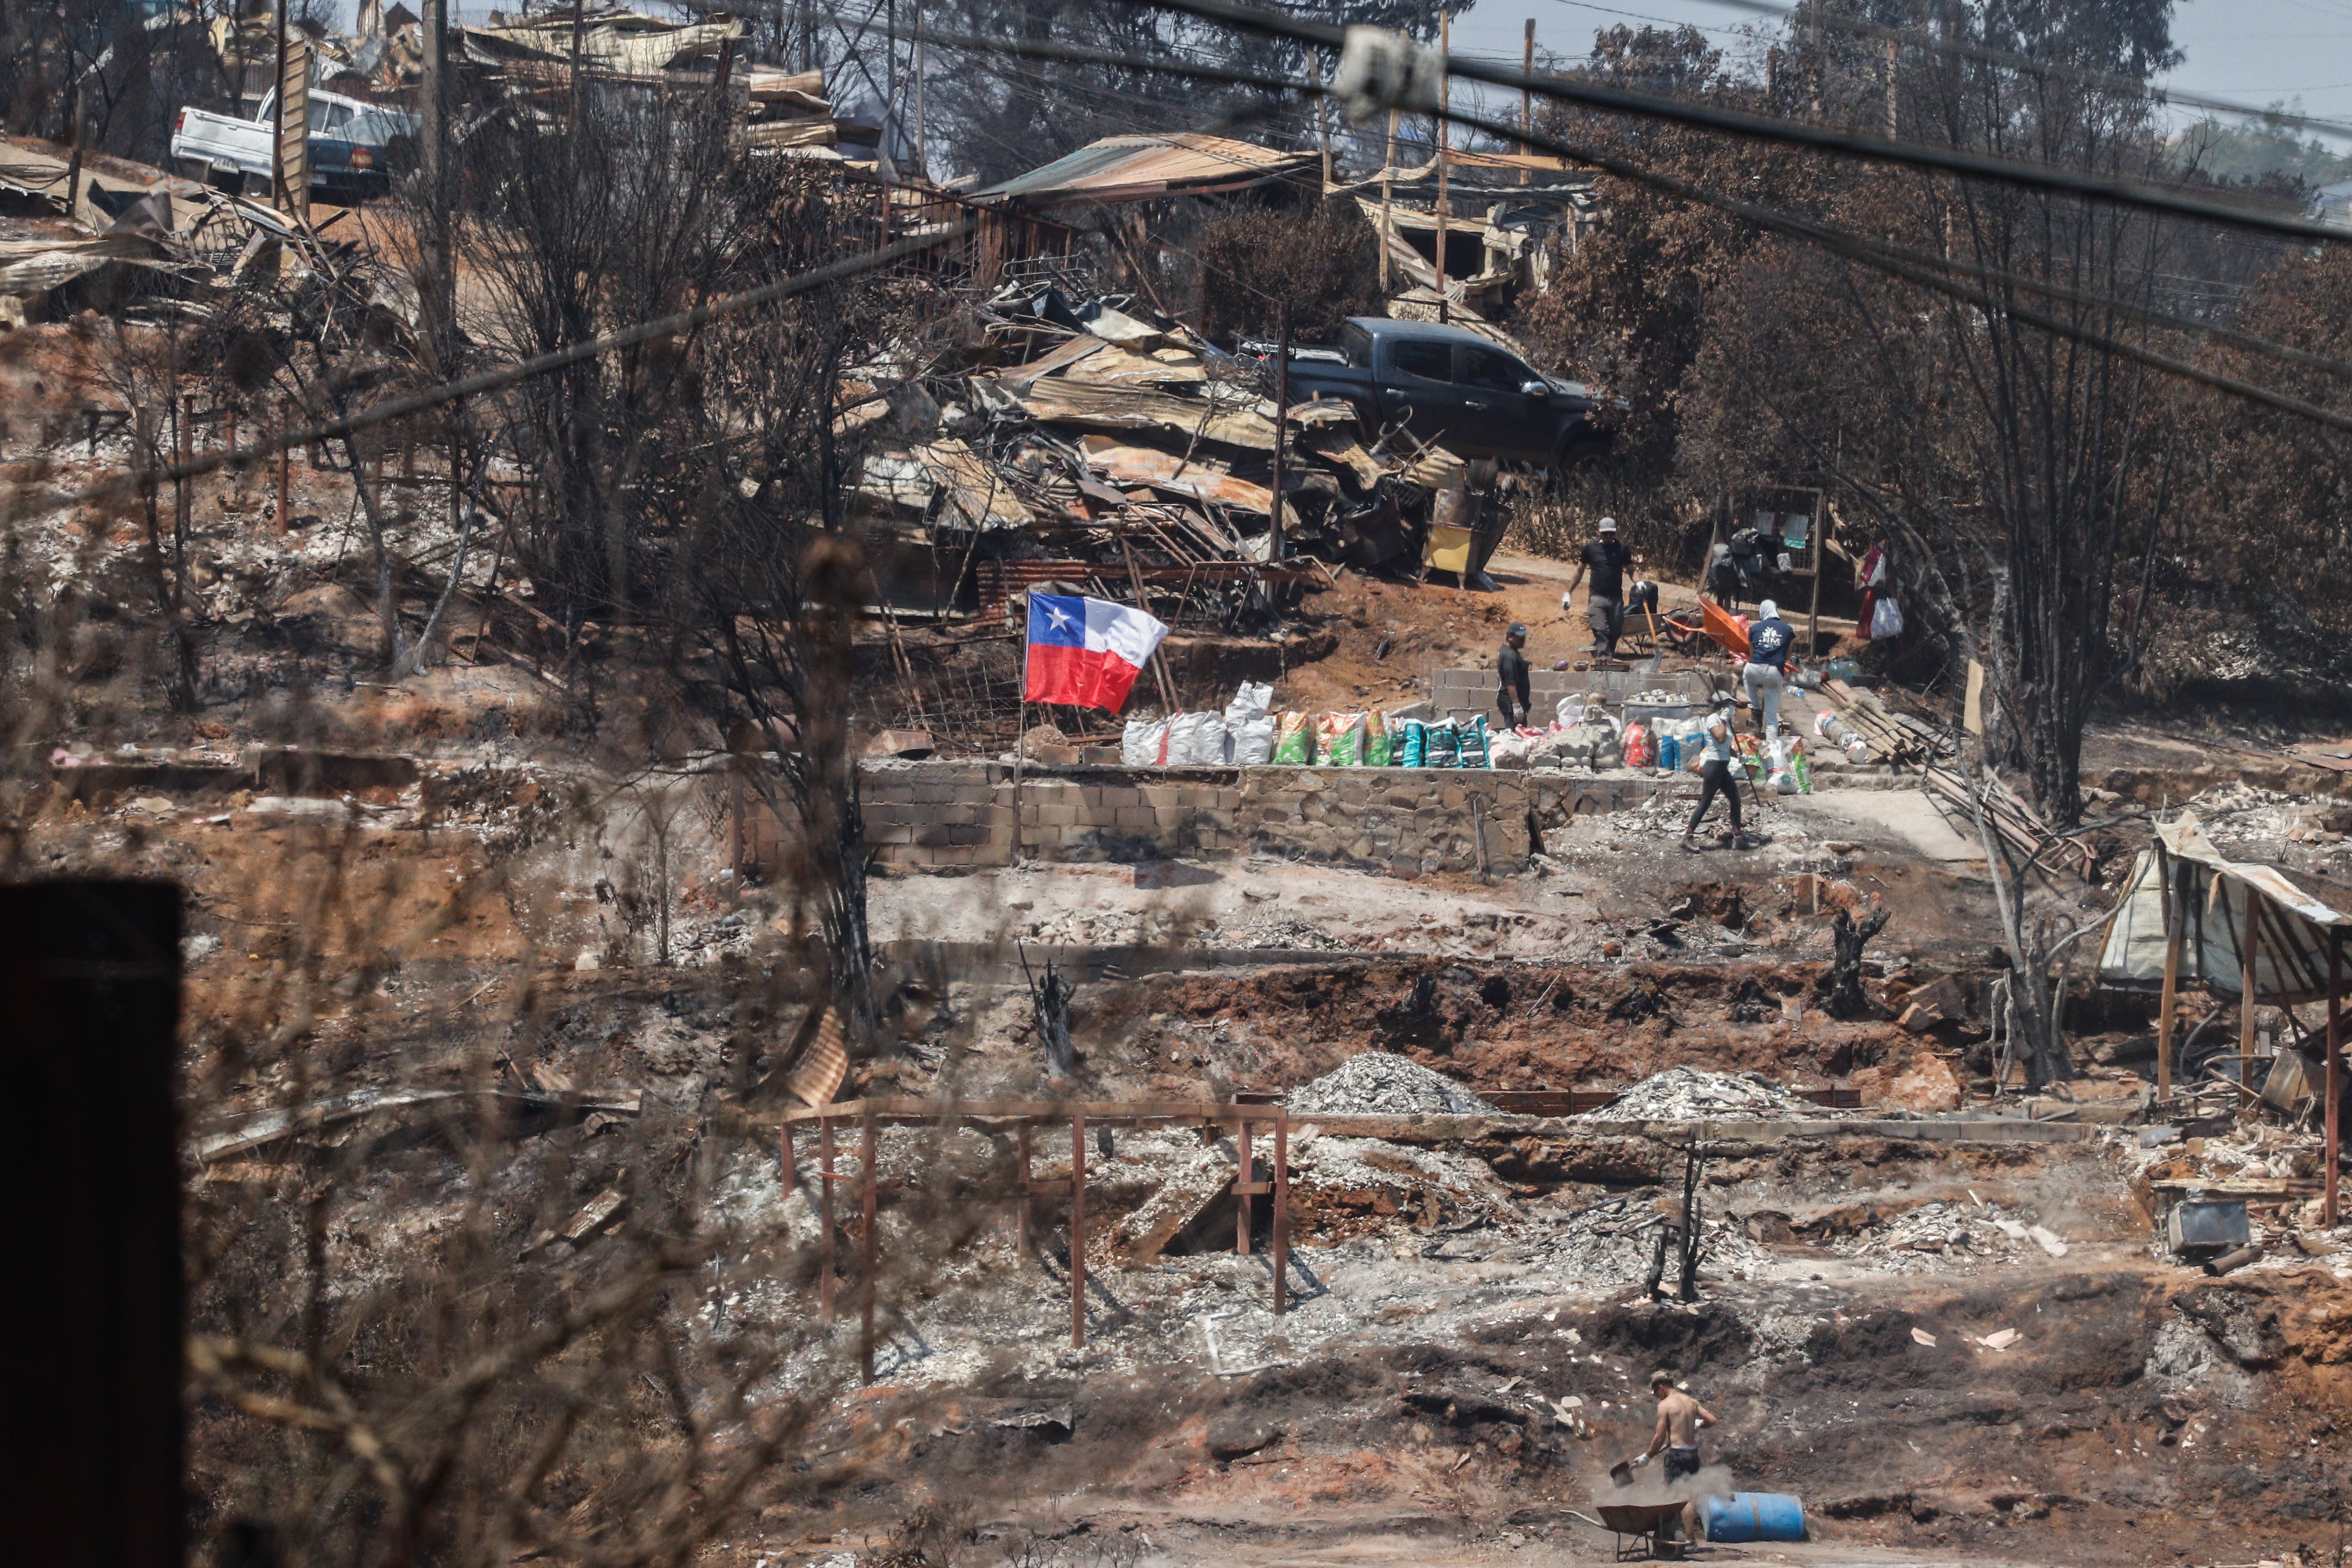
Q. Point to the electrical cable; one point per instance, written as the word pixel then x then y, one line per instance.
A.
pixel 1912 37
pixel 1850 247
pixel 2138 194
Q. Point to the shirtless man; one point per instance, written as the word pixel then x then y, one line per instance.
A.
pixel 1679 1419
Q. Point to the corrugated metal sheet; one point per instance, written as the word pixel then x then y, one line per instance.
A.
pixel 1136 168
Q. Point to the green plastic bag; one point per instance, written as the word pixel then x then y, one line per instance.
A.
pixel 1380 746
pixel 1293 740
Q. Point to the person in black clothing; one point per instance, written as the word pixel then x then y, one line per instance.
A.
pixel 1606 558
pixel 1511 678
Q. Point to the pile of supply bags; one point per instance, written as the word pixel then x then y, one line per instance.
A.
pixel 1249 735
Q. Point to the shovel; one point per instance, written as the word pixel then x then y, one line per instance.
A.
pixel 1622 1472
pixel 1658 648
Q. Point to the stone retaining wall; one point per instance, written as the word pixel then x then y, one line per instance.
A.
pixel 1408 821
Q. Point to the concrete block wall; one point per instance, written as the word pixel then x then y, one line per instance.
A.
pixel 1410 822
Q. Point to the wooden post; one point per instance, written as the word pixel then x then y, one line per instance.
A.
pixel 1323 135
pixel 436 291
pixel 1281 401
pixel 184 443
pixel 2335 1053
pixel 1445 105
pixel 824 1217
pixel 792 1176
pixel 2171 975
pixel 2249 947
pixel 1282 1200
pixel 865 1250
pixel 1821 546
pixel 579 37
pixel 285 457
pixel 1244 1178
pixel 1527 96
pixel 277 121
pixel 1077 1230
pixel 1387 210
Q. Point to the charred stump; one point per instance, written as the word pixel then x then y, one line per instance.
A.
pixel 1840 989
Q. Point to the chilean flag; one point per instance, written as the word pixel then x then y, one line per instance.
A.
pixel 1087 652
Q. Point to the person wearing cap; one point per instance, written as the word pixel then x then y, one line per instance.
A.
pixel 1768 642
pixel 1511 678
pixel 1604 607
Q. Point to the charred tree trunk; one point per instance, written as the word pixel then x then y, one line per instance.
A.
pixel 1840 989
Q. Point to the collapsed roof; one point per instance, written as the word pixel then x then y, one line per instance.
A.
pixel 1145 168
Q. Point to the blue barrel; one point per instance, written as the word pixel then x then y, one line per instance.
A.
pixel 1753 1516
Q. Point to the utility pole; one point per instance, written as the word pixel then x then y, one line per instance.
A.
pixel 1527 96
pixel 277 118
pixel 579 31
pixel 1281 403
pixel 1388 209
pixel 1445 135
pixel 922 164
pixel 432 169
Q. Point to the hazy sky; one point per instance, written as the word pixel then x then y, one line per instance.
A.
pixel 2253 51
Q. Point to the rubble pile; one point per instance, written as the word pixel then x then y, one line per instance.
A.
pixel 1098 443
pixel 1379 1084
pixel 1614 1242
pixel 2263 824
pixel 1688 1094
pixel 1941 1231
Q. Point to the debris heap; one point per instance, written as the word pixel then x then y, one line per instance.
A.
pixel 1088 441
pixel 1687 1094
pixel 1379 1084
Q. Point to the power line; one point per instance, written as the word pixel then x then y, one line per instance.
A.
pixel 2127 192
pixel 1852 247
pixel 1913 37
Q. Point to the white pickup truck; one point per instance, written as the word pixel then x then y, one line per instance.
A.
pixel 352 146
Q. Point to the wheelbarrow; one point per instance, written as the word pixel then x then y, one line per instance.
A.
pixel 1641 1529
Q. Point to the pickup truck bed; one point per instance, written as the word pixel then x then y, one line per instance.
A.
pixel 1445 383
pixel 352 146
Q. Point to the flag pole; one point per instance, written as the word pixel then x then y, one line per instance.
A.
pixel 1019 728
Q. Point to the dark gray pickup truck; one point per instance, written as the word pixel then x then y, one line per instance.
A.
pixel 1445 383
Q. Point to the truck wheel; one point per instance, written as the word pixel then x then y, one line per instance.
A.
pixel 256 186
pixel 1578 452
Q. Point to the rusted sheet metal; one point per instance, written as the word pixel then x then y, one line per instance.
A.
pixel 1120 366
pixel 1061 401
pixel 1020 377
pixel 35 266
pixel 1340 445
pixel 1139 168
pixel 1170 471
pixel 976 492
